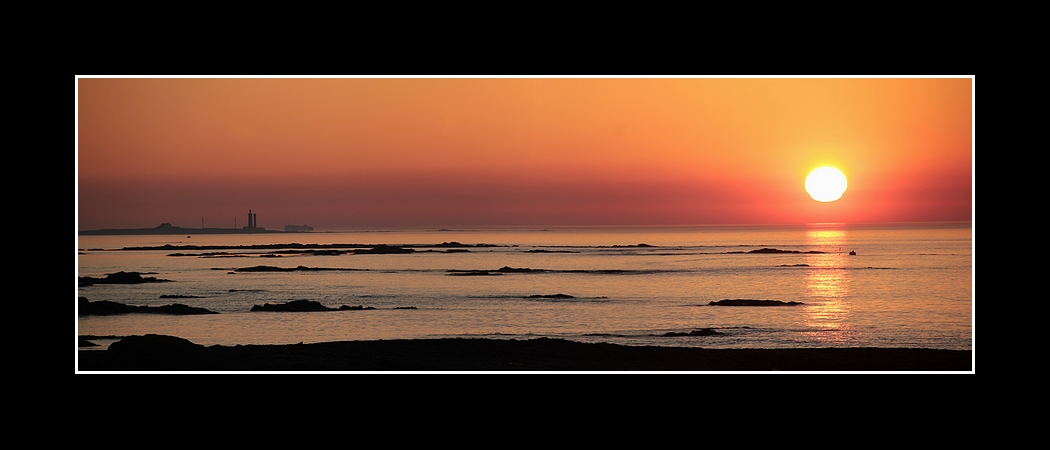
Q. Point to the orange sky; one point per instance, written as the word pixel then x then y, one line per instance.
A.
pixel 351 152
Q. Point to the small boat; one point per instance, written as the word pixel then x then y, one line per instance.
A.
pixel 853 253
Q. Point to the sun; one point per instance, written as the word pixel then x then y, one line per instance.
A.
pixel 826 184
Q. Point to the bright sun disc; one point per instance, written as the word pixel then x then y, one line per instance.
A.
pixel 826 184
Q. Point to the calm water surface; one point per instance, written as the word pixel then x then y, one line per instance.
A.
pixel 909 285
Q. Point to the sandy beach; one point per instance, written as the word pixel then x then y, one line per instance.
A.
pixel 166 353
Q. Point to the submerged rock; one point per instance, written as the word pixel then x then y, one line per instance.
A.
pixel 750 302
pixel 554 296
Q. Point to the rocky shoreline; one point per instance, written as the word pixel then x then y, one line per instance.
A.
pixel 167 353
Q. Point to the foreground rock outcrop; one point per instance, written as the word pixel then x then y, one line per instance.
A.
pixel 154 352
pixel 120 278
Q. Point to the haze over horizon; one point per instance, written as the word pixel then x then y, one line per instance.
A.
pixel 340 153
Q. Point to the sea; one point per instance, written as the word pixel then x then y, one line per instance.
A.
pixel 828 285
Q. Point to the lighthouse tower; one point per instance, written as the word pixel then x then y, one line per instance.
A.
pixel 251 221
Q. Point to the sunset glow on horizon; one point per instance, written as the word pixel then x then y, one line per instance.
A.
pixel 338 153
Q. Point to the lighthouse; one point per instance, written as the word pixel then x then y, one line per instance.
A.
pixel 251 221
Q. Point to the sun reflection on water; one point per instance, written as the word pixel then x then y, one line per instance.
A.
pixel 827 312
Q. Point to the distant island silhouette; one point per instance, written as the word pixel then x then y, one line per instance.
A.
pixel 167 228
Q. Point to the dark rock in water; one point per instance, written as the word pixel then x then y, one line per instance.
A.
pixel 120 278
pixel 177 309
pixel 500 271
pixel 507 269
pixel 853 253
pixel 773 250
pixel 306 306
pixel 327 252
pixel 451 244
pixel 265 269
pixel 291 269
pixel 103 308
pixel 405 307
pixel 749 302
pixel 793 265
pixel 108 308
pixel 455 244
pixel 355 308
pixel 293 306
pixel 554 296
pixel 383 250
pixel 700 332
pixel 472 273
pixel 179 296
